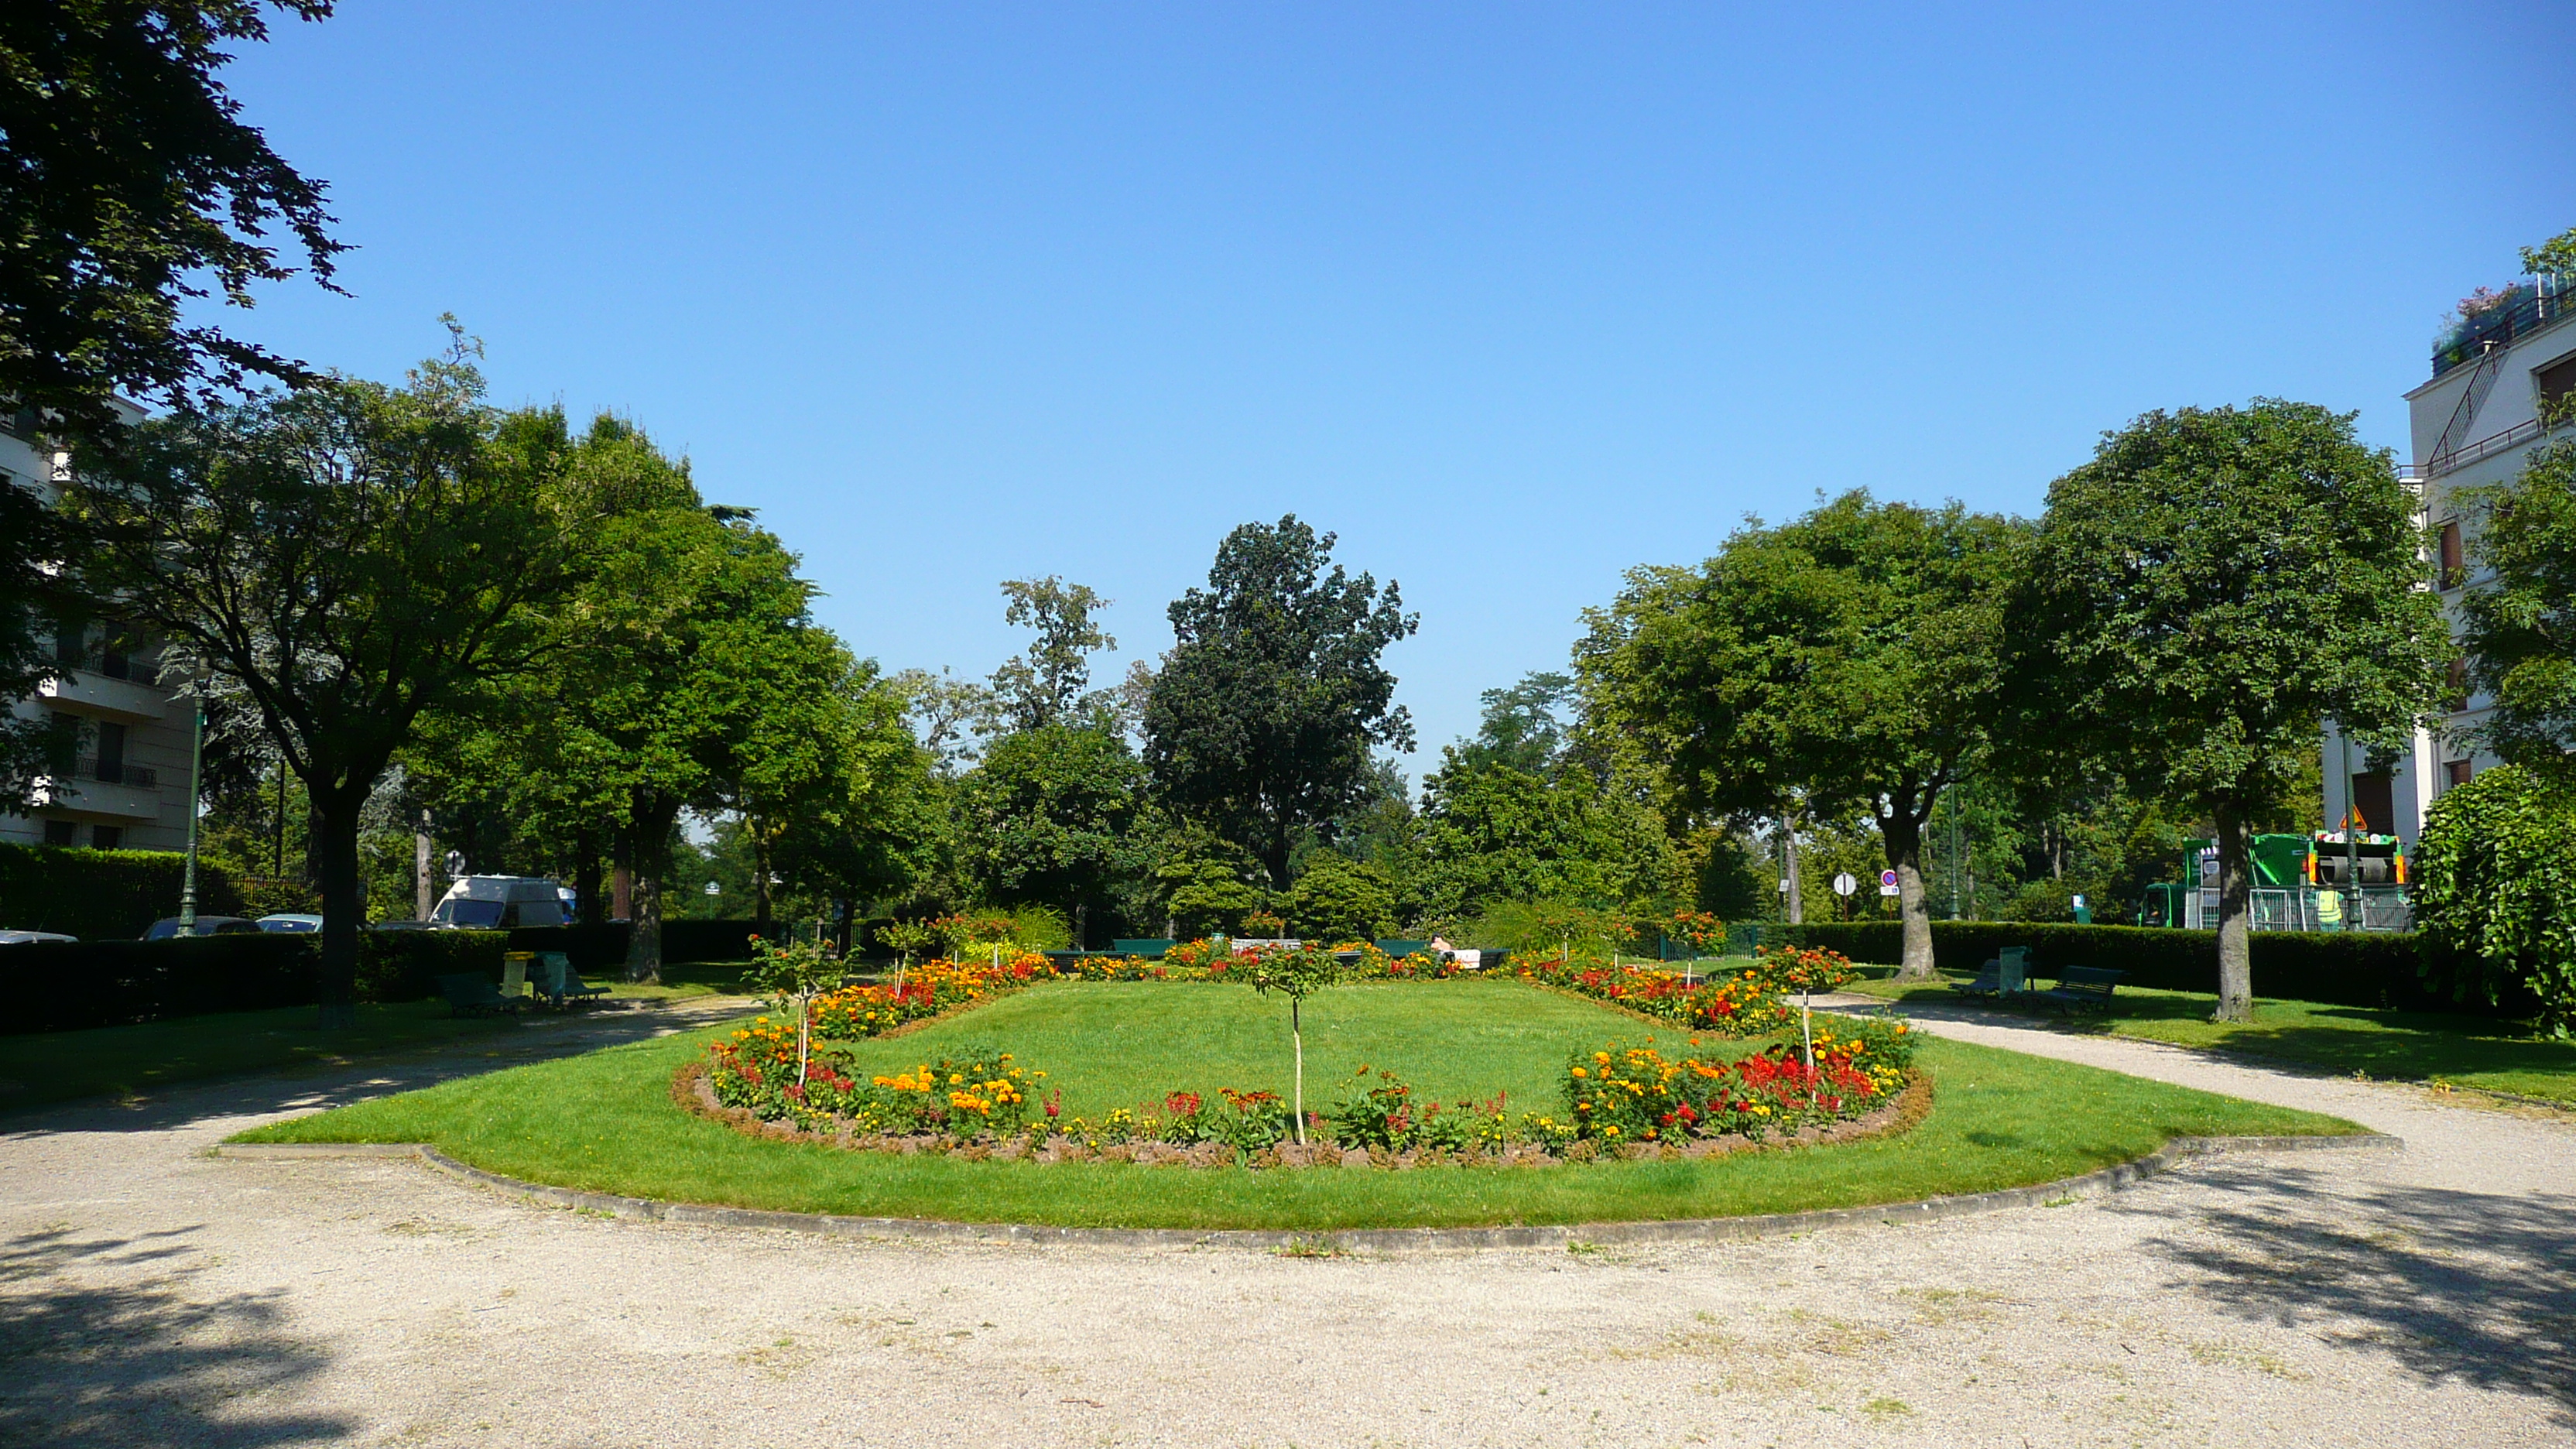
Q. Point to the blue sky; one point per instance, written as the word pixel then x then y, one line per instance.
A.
pixel 1513 298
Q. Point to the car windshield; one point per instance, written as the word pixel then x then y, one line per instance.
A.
pixel 470 913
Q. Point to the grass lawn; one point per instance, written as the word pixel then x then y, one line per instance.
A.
pixel 57 1066
pixel 2468 1051
pixel 605 1121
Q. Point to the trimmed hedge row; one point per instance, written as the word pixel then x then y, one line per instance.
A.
pixel 65 986
pixel 102 895
pixel 602 948
pixel 2366 968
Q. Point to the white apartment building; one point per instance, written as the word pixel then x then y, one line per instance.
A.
pixel 2473 424
pixel 129 788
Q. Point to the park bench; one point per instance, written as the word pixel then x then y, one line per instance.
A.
pixel 471 993
pixel 2007 974
pixel 559 982
pixel 2083 988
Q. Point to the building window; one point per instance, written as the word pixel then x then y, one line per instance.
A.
pixel 61 832
pixel 2455 773
pixel 2556 381
pixel 2457 677
pixel 111 754
pixel 2374 795
pixel 106 837
pixel 2455 561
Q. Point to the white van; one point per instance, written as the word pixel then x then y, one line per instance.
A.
pixel 500 902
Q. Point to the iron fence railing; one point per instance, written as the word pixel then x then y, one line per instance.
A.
pixel 141 777
pixel 2527 308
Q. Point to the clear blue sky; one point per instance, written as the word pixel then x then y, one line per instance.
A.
pixel 1511 297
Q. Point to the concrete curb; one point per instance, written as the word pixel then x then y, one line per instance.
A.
pixel 2116 1178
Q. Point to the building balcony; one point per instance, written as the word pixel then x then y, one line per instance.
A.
pixel 123 792
pixel 91 693
pixel 2525 308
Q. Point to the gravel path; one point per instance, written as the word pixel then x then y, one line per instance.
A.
pixel 150 1294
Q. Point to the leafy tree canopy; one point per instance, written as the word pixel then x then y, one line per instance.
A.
pixel 1337 899
pixel 1048 818
pixel 1850 660
pixel 2210 587
pixel 350 556
pixel 1262 721
pixel 1049 684
pixel 131 185
pixel 2519 627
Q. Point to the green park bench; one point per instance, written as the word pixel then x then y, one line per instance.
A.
pixel 559 983
pixel 2007 974
pixel 2083 988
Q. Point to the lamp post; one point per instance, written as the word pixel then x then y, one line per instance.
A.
pixel 196 762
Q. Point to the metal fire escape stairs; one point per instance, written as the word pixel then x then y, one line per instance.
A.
pixel 2455 433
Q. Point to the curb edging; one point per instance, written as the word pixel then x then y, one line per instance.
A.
pixel 2116 1178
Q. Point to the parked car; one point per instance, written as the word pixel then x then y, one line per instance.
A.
pixel 291 921
pixel 20 938
pixel 163 930
pixel 500 903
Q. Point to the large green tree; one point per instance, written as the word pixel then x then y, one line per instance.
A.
pixel 1850 660
pixel 1494 832
pixel 2205 592
pixel 130 185
pixel 1048 819
pixel 1049 682
pixel 1262 721
pixel 350 555
pixel 2519 623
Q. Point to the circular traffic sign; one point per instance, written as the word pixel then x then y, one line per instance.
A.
pixel 1887 877
pixel 1845 884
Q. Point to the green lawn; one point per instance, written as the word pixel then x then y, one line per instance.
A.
pixel 2468 1051
pixel 605 1121
pixel 42 1067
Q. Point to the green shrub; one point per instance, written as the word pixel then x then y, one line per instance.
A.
pixel 102 895
pixel 406 965
pixel 65 986
pixel 2374 969
pixel 2497 898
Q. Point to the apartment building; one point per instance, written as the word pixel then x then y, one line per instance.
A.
pixel 129 787
pixel 2473 423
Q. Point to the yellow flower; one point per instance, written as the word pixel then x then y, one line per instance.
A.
pixel 1580 1072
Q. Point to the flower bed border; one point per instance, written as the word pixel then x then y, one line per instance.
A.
pixel 2116 1178
pixel 693 1093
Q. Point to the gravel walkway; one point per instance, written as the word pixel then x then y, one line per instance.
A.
pixel 152 1295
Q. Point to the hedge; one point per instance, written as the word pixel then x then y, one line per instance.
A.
pixel 602 948
pixel 2362 968
pixel 102 895
pixel 68 985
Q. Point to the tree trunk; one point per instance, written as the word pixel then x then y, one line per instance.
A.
pixel 1797 905
pixel 334 826
pixel 1081 926
pixel 621 901
pixel 1903 836
pixel 760 908
pixel 644 946
pixel 1297 1036
pixel 2235 923
pixel 420 883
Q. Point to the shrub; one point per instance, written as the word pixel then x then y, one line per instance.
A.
pixel 406 965
pixel 2360 968
pixel 1622 1095
pixel 66 986
pixel 102 895
pixel 2497 903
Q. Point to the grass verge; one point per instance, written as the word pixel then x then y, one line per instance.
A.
pixel 37 1068
pixel 2411 1046
pixel 605 1122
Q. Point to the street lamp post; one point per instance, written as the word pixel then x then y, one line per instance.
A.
pixel 196 762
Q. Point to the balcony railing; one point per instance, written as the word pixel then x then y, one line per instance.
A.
pixel 2528 307
pixel 140 777
pixel 2487 447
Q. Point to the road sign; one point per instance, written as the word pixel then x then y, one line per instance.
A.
pixel 1845 884
pixel 1887 877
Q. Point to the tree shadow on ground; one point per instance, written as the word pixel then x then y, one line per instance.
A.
pixel 2475 1288
pixel 265 1095
pixel 100 1346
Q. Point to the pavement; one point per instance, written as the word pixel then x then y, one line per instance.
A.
pixel 153 1295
